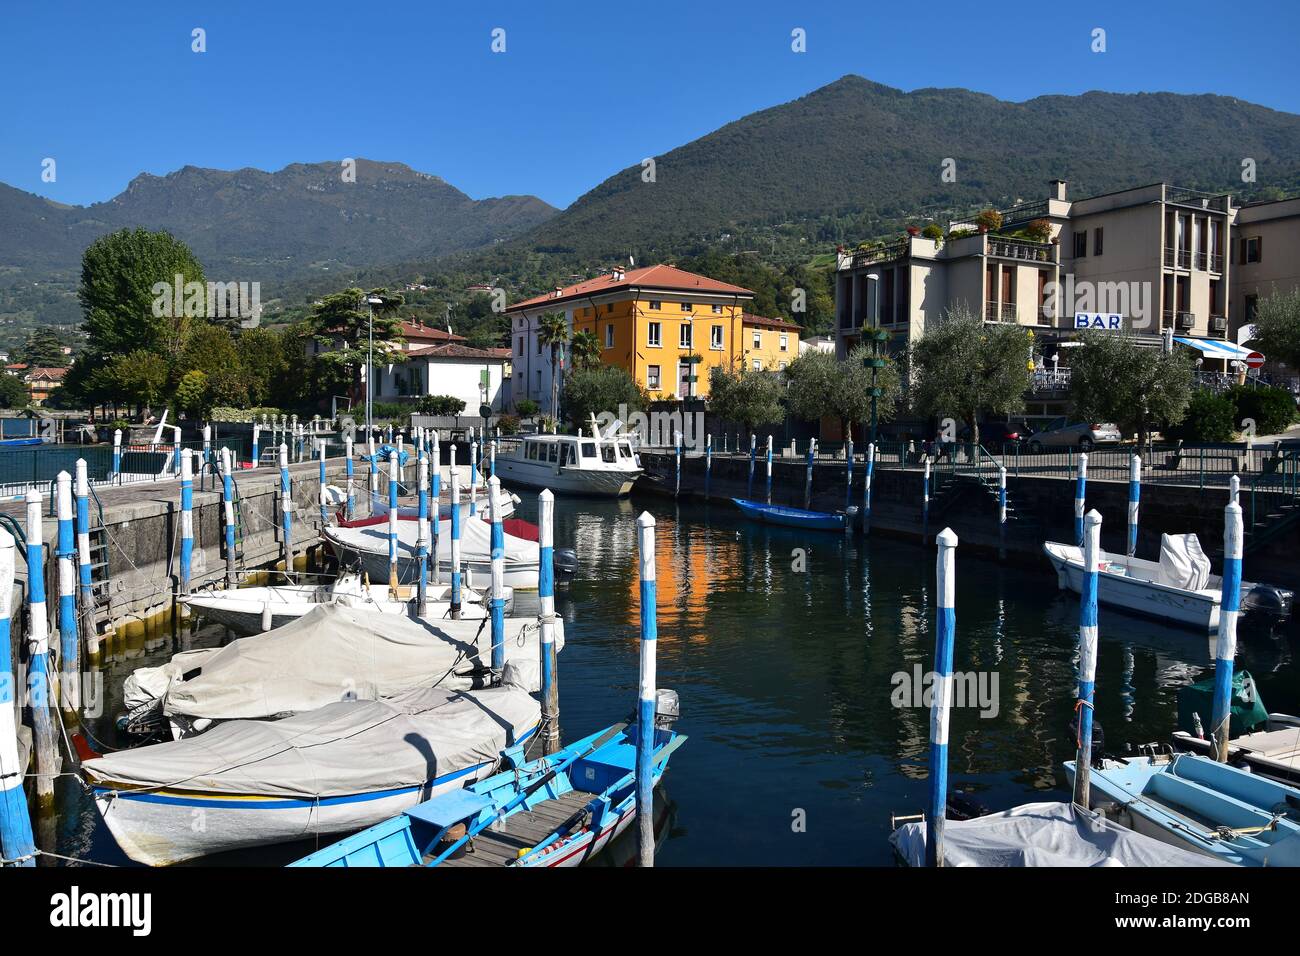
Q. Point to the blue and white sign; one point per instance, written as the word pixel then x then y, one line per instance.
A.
pixel 1108 321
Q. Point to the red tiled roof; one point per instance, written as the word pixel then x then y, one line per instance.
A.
pixel 766 323
pixel 53 374
pixel 413 331
pixel 660 277
pixel 454 350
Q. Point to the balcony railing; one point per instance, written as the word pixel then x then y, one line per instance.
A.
pixel 1020 249
pixel 877 254
pixel 1178 258
pixel 1051 380
pixel 999 311
pixel 1025 212
pixel 1194 197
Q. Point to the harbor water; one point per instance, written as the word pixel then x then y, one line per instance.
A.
pixel 794 654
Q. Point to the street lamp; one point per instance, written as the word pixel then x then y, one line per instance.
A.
pixel 371 302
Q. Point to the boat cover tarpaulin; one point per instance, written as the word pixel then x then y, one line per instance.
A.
pixel 1043 834
pixel 1182 562
pixel 335 653
pixel 349 747
pixel 475 541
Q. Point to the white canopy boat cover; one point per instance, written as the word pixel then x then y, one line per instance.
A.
pixel 1043 834
pixel 345 748
pixel 334 653
pixel 475 541
pixel 1183 563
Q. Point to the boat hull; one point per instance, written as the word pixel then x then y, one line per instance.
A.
pixel 1194 609
pixel 789 517
pixel 600 483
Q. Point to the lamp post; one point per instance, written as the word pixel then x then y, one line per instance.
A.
pixel 371 302
pixel 875 362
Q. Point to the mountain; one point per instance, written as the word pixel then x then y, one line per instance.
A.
pixel 856 153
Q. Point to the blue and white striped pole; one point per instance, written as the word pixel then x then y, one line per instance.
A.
pixel 187 525
pixel 436 496
pixel 87 586
pixel 324 495
pixel 753 451
pixel 350 465
pixel 1134 496
pixel 546 619
pixel 492 459
pixel 422 554
pixel 286 510
pixel 1226 647
pixel 498 579
pixel 473 477
pixel 401 453
pixel 16 843
pixel 645 738
pixel 374 471
pixel 207 444
pixel 941 699
pixel 677 463
pixel 769 469
pixel 808 474
pixel 708 465
pixel 69 642
pixel 925 503
pixel 848 473
pixel 1080 489
pixel 38 667
pixel 392 523
pixel 257 451
pixel 1087 655
pixel 866 488
pixel 1002 512
pixel 228 513
pixel 117 453
pixel 455 539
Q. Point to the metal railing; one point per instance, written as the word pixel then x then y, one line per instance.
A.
pixel 1025 249
pixel 999 312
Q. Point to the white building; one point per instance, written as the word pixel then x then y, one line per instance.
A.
pixel 475 376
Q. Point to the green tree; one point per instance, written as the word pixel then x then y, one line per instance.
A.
pixel 553 330
pixel 604 388
pixel 819 385
pixel 526 408
pixel 42 350
pixel 13 393
pixel 341 325
pixel 966 369
pixel 1113 379
pixel 1209 418
pixel 138 378
pixel 1277 326
pixel 746 396
pixel 192 393
pixel 265 360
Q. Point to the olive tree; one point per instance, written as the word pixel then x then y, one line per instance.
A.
pixel 1114 379
pixel 819 385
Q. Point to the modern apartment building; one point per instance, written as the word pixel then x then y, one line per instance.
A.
pixel 1265 255
pixel 667 327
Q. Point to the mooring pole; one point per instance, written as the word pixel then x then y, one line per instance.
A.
pixel 1080 489
pixel 69 641
pixel 16 843
pixel 422 586
pixel 753 451
pixel 401 453
pixel 473 477
pixel 228 513
pixel 117 453
pixel 546 618
pixel 848 472
pixel 1002 512
pixel 925 503
pixel 866 487
pixel 941 699
pixel 1087 655
pixel 492 459
pixel 677 459
pixel 257 452
pixel 374 471
pixel 645 738
pixel 187 525
pixel 87 586
pixel 498 580
pixel 708 465
pixel 1134 495
pixel 286 511
pixel 38 655
pixel 455 538
pixel 207 444
pixel 1226 647
pixel 349 465
pixel 392 523
pixel 769 469
pixel 808 474
pixel 436 495
pixel 1234 489
pixel 324 497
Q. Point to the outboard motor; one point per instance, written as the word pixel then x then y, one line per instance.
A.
pixel 1267 599
pixel 667 708
pixel 565 562
pixel 1098 737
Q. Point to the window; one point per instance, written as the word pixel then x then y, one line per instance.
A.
pixel 553 455
pixel 539 345
pixel 609 335
pixel 1252 303
pixel 607 453
pixel 715 338
pixel 530 450
pixel 1080 245
pixel 758 339
pixel 624 451
pixel 1096 241
pixel 684 379
pixel 609 307
pixel 785 342
pixel 656 306
pixel 566 455
pixel 652 377
pixel 521 345
pixel 589 449
pixel 1252 249
pixel 687 307
pixel 717 309
pixel 652 335
pixel 781 365
pixel 758 365
pixel 684 335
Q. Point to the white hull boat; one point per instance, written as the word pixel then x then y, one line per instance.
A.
pixel 320 774
pixel 598 465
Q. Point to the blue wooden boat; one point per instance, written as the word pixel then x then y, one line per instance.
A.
pixel 20 442
pixel 790 517
pixel 559 810
pixel 1193 802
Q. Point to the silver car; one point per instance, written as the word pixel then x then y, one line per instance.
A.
pixel 1063 433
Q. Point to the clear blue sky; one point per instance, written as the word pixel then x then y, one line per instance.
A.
pixel 111 89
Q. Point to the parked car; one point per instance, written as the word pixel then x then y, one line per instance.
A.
pixel 998 435
pixel 1063 433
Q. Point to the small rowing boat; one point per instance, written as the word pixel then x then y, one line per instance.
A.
pixel 790 517
pixel 1193 802
pixel 556 811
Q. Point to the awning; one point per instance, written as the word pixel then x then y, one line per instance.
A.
pixel 1218 348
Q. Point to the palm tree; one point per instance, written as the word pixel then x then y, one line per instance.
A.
pixel 554 332
pixel 585 348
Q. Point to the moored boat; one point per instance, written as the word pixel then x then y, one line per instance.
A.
pixel 1272 750
pixel 598 464
pixel 790 517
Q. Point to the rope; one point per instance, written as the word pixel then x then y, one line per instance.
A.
pixel 1078 720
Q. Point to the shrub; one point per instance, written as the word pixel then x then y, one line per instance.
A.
pixel 1273 409
pixel 933 231
pixel 526 408
pixel 1209 418
pixel 509 424
pixel 990 220
pixel 1040 230
pixel 224 413
pixel 444 406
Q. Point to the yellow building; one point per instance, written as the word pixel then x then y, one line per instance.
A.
pixel 665 326
pixel 769 344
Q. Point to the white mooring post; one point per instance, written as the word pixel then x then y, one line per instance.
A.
pixel 1134 496
pixel 941 701
pixel 16 843
pixel 422 553
pixel 645 738
pixel 436 495
pixel 708 466
pixel 769 469
pixel 69 639
pixel 455 538
pixel 324 497
pixel 546 618
pixel 117 453
pixel 866 487
pixel 349 465
pixel 1087 655
pixel 473 477
pixel 1234 489
pixel 86 584
pixel 257 451
pixel 392 524
pixel 187 526
pixel 498 557
pixel 1080 494
pixel 1002 512
pixel 1225 649
pixel 38 656
pixel 753 451
pixel 286 511
pixel 228 515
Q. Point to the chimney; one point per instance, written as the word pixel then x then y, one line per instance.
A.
pixel 1058 189
pixel 617 274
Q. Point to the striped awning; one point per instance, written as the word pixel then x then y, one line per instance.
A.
pixel 1218 348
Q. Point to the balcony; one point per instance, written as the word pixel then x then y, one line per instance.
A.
pixel 1049 381
pixel 1196 198
pixel 999 312
pixel 1177 258
pixel 885 252
pixel 1025 212
pixel 1025 250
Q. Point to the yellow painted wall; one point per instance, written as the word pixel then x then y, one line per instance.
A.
pixel 769 352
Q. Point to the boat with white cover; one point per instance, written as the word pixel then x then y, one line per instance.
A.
pixel 1179 587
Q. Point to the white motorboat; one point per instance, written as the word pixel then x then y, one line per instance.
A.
pixel 243 609
pixel 597 464
pixel 1177 588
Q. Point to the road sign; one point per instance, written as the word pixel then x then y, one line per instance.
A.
pixel 1255 360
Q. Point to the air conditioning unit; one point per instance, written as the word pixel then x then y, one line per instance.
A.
pixel 1186 320
pixel 1219 323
